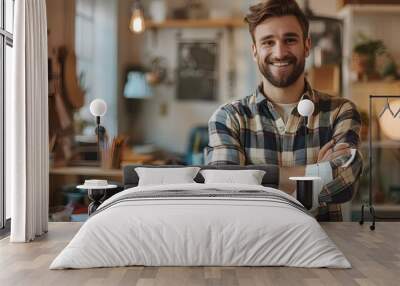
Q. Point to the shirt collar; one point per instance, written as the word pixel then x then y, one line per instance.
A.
pixel 308 93
pixel 260 97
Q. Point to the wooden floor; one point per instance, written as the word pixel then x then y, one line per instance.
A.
pixel 375 257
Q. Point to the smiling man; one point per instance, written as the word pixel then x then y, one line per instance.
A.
pixel 266 128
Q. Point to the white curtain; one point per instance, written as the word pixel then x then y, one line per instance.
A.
pixel 27 124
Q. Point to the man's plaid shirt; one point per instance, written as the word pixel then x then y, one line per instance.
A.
pixel 250 131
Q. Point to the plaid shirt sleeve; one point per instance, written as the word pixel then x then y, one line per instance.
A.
pixel 224 146
pixel 346 126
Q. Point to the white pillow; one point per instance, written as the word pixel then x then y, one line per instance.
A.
pixel 248 177
pixel 164 176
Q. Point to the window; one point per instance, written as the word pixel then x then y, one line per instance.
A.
pixel 84 45
pixel 6 44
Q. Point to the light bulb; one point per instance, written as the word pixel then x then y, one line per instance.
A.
pixel 136 24
pixel 98 107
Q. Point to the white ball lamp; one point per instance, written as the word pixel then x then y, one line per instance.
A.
pixel 305 109
pixel 98 108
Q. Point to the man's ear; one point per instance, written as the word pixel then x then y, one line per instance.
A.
pixel 254 49
pixel 307 46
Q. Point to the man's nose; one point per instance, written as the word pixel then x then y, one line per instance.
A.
pixel 280 50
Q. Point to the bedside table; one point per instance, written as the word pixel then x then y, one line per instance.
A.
pixel 96 195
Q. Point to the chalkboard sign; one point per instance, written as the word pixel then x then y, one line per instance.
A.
pixel 197 73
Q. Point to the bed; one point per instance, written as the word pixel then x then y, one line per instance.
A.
pixel 201 224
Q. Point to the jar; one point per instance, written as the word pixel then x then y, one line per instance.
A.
pixel 158 11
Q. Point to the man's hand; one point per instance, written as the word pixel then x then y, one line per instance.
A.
pixel 331 151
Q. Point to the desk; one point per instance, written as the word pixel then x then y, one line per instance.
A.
pixel 86 171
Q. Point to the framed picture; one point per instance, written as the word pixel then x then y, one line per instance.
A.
pixel 197 73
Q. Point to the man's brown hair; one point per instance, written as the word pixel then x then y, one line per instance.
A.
pixel 275 8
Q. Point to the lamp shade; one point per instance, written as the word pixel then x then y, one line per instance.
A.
pixel 305 107
pixel 98 107
pixel 390 124
pixel 136 85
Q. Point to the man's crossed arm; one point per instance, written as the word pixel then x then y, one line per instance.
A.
pixel 225 148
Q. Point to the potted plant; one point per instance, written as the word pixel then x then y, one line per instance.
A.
pixel 364 57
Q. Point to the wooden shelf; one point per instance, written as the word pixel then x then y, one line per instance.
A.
pixel 86 171
pixel 369 8
pixel 203 23
pixel 360 91
pixel 364 89
pixel 377 83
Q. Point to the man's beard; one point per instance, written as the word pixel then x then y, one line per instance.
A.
pixel 283 80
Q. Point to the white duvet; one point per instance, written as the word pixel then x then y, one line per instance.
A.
pixel 204 231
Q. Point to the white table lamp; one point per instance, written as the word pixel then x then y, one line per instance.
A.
pixel 306 108
pixel 98 108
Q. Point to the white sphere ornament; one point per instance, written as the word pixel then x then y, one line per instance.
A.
pixel 98 107
pixel 305 107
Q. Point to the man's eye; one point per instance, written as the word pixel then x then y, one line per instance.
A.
pixel 291 41
pixel 268 43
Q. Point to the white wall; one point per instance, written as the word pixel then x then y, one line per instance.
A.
pixel 96 49
pixel 105 60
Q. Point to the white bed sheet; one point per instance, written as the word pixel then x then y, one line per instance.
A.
pixel 200 231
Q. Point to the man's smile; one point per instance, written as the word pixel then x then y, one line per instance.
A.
pixel 280 64
pixel 281 71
